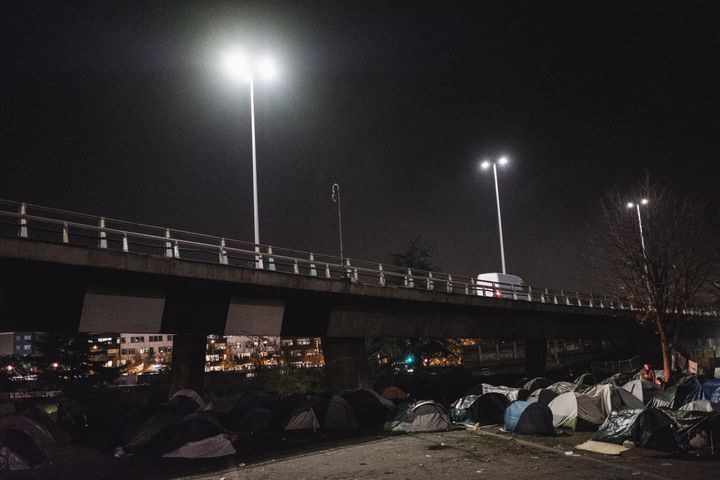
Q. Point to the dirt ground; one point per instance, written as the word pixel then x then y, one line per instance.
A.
pixel 472 454
pixel 460 454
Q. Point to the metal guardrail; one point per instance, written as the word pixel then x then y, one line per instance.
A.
pixel 61 226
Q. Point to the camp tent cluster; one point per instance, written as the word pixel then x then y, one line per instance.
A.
pixel 621 408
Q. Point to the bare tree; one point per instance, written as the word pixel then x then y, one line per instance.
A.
pixel 677 260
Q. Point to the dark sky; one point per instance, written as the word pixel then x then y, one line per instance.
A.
pixel 120 109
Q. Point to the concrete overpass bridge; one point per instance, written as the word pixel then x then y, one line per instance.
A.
pixel 69 272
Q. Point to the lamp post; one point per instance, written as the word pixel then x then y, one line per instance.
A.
pixel 636 205
pixel 336 198
pixel 485 165
pixel 241 68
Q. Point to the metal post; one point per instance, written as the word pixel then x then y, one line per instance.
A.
pixel 103 235
pixel 125 246
pixel 271 260
pixel 336 198
pixel 256 221
pixel 66 233
pixel 497 197
pixel 23 233
pixel 168 244
pixel 313 270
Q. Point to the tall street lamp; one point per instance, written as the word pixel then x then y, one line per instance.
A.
pixel 336 198
pixel 485 165
pixel 243 68
pixel 636 205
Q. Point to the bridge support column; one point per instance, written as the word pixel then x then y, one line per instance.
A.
pixel 535 355
pixel 188 363
pixel 346 363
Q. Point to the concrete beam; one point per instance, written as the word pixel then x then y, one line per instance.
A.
pixel 188 363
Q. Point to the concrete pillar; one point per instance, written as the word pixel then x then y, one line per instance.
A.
pixel 535 355
pixel 188 363
pixel 346 362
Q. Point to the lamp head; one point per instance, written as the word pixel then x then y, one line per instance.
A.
pixel 630 205
pixel 485 164
pixel 503 161
pixel 644 201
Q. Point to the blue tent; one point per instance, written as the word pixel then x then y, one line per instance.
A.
pixel 513 413
pixel 710 390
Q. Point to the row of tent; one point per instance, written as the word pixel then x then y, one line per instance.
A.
pixel 619 409
pixel 185 426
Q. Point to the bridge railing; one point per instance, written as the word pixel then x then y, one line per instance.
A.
pixel 61 226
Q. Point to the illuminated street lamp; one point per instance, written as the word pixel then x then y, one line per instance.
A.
pixel 485 165
pixel 242 68
pixel 636 205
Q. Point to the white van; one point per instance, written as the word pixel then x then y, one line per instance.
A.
pixel 500 285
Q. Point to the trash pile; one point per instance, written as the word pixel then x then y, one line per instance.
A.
pixel 623 410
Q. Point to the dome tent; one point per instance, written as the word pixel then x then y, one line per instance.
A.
pixel 422 416
pixel 573 410
pixel 485 409
pixel 529 419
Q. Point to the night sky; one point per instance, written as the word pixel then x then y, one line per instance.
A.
pixel 121 109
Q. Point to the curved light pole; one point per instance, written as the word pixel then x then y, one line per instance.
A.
pixel 336 198
pixel 241 68
pixel 485 165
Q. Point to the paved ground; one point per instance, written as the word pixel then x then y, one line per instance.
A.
pixel 471 454
pixel 456 455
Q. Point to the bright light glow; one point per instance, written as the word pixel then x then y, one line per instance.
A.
pixel 630 205
pixel 644 201
pixel 236 65
pixel 55 365
pixel 267 68
pixel 485 164
pixel 9 368
pixel 503 160
pixel 241 68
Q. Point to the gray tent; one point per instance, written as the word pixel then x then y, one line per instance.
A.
pixel 571 409
pixel 422 416
pixel 199 435
pixel 340 416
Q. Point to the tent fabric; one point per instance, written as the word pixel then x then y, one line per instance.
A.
pixel 486 409
pixel 536 383
pixel 537 419
pixel 422 416
pixel 562 387
pixel 257 419
pixel 153 434
pixel 211 447
pixel 303 419
pixel 41 417
pixel 649 428
pixel 542 395
pixel 664 398
pixel 186 401
pixel 564 410
pixel 626 399
pixel 700 406
pixel 512 414
pixel 458 408
pixel 371 410
pixel 709 390
pixel 511 393
pixel 590 409
pixel 396 394
pixel 31 428
pixel 19 451
pixel 586 379
pixel 340 416
pixel 636 388
pixel 193 428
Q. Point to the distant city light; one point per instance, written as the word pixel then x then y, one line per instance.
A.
pixel 409 359
pixel 55 365
pixel 9 368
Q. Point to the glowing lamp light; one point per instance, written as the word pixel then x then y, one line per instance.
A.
pixel 267 68
pixel 409 359
pixel 240 67
pixel 485 164
pixel 503 161
pixel 630 205
pixel 644 201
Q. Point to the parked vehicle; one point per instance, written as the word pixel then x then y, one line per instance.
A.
pixel 500 285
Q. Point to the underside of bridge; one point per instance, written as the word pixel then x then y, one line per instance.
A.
pixel 62 288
